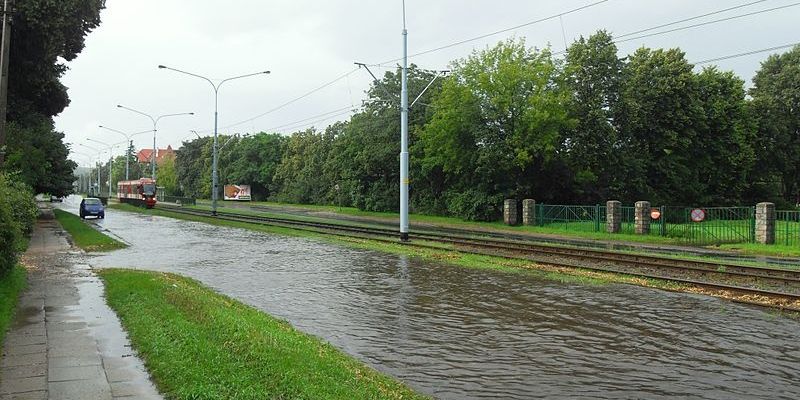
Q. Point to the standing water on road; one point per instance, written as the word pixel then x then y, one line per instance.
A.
pixel 459 333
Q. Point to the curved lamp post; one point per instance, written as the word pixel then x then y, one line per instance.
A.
pixel 214 174
pixel 128 137
pixel 154 120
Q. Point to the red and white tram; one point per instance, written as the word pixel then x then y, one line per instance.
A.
pixel 141 192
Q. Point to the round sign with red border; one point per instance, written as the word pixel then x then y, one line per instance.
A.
pixel 655 213
pixel 698 215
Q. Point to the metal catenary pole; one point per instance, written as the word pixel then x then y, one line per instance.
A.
pixel 404 136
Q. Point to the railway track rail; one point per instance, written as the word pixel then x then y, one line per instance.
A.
pixel 763 282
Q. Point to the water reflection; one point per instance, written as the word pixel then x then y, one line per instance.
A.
pixel 457 333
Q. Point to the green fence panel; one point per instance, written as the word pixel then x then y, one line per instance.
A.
pixel 720 225
pixel 787 228
pixel 571 218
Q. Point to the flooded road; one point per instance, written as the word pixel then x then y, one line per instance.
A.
pixel 458 333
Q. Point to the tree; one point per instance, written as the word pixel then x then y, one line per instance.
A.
pixel 45 32
pixel 496 125
pixel 167 177
pixel 38 156
pixel 592 75
pixel 656 121
pixel 776 107
pixel 193 167
pixel 253 161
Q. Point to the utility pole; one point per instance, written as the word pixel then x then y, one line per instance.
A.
pixel 404 136
pixel 5 50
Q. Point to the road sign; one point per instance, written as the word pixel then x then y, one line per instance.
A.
pixel 698 215
pixel 655 213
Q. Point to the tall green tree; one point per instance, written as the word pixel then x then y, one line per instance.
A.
pixel 592 75
pixel 496 126
pixel 656 121
pixel 723 154
pixel 167 177
pixel 776 108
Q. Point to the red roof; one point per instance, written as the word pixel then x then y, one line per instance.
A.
pixel 145 155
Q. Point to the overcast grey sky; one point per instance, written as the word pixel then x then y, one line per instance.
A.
pixel 307 43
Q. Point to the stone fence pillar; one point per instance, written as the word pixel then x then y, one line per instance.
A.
pixel 765 223
pixel 529 212
pixel 613 216
pixel 641 217
pixel 510 212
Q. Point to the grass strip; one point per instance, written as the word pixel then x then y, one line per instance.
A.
pixel 84 236
pixel 200 344
pixel 11 285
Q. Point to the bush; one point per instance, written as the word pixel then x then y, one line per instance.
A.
pixel 475 205
pixel 17 215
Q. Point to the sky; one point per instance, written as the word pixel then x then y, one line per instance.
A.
pixel 310 46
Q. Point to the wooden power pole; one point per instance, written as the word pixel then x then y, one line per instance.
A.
pixel 5 42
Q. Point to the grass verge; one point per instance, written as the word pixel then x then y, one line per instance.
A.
pixel 10 287
pixel 83 235
pixel 200 344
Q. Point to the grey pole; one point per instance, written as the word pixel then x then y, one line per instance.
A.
pixel 214 173
pixel 404 136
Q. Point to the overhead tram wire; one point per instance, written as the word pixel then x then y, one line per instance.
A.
pixel 343 110
pixel 710 60
pixel 693 25
pixel 708 14
pixel 297 127
pixel 294 100
pixel 534 22
pixel 709 22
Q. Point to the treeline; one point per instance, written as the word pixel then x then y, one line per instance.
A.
pixel 517 122
pixel 45 34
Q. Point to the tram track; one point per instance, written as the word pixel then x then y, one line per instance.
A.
pixel 780 285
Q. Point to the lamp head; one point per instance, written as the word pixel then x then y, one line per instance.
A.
pixel 162 66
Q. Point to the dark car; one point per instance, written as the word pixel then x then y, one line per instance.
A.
pixel 92 206
pixel 56 199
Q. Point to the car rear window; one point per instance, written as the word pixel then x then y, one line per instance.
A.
pixel 92 201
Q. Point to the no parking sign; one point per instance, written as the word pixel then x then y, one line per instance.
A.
pixel 698 215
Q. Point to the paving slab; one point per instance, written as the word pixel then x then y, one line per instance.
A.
pixel 65 342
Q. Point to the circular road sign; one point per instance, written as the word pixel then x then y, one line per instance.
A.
pixel 698 215
pixel 655 213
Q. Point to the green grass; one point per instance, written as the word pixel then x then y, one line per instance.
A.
pixel 83 235
pixel 200 344
pixel 10 287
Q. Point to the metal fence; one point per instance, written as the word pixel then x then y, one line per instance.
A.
pixel 787 228
pixel 719 225
pixel 572 218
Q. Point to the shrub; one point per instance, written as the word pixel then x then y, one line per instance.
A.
pixel 17 215
pixel 475 205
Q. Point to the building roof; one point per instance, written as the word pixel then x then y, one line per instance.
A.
pixel 145 155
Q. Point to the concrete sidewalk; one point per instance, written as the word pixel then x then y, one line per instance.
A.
pixel 65 342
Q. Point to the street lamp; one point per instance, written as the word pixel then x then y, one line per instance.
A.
pixel 98 151
pixel 128 137
pixel 214 175
pixel 155 123
pixel 110 159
